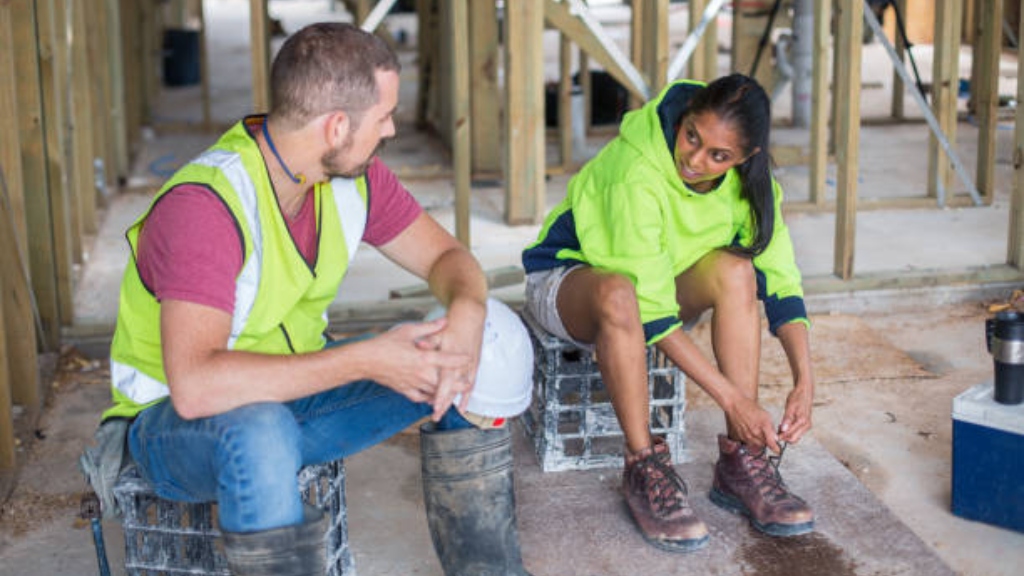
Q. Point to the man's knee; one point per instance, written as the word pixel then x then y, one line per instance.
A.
pixel 261 433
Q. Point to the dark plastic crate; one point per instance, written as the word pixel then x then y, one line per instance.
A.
pixel 571 420
pixel 178 538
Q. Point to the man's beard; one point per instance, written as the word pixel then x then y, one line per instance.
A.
pixel 332 164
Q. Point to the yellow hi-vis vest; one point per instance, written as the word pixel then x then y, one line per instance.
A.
pixel 280 300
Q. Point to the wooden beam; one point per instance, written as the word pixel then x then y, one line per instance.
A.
pixel 986 100
pixel 704 62
pixel 135 70
pixel 19 375
pixel 524 111
pixel 565 89
pixel 945 85
pixel 1015 243
pixel 10 140
pixel 820 100
pixel 898 110
pixel 204 71
pixel 53 84
pixel 39 246
pixel 458 28
pixel 561 16
pixel 8 459
pixel 750 18
pixel 259 34
pixel 100 84
pixel 80 112
pixel 654 44
pixel 847 94
pixel 485 101
pixel 426 14
pixel 118 120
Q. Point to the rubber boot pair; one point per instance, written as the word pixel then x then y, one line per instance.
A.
pixel 289 551
pixel 470 503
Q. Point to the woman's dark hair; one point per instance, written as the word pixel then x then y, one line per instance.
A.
pixel 740 100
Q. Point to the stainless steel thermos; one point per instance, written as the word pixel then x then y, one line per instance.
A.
pixel 1005 339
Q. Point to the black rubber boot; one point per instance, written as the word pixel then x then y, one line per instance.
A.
pixel 289 551
pixel 471 508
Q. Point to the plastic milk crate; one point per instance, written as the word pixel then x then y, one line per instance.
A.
pixel 172 538
pixel 988 459
pixel 571 420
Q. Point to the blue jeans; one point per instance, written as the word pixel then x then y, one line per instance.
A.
pixel 247 459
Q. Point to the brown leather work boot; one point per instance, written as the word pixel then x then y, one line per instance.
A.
pixel 656 497
pixel 750 484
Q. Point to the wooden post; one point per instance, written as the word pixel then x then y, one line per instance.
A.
pixel 426 14
pixel 945 84
pixel 565 102
pixel 1015 244
pixel 10 140
pixel 588 91
pixel 54 90
pixel 748 23
pixel 898 108
pixel 81 124
pixel 134 69
pixel 259 33
pixel 524 112
pixel 986 90
pixel 820 101
pixel 118 120
pixel 8 459
pixel 458 27
pixel 704 62
pixel 485 100
pixel 100 84
pixel 18 338
pixel 847 94
pixel 204 71
pixel 654 45
pixel 39 246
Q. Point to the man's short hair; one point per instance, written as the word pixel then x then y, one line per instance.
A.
pixel 327 67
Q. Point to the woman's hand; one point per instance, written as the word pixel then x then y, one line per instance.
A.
pixel 796 421
pixel 752 425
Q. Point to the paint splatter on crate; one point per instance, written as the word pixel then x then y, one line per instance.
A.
pixel 164 537
pixel 571 420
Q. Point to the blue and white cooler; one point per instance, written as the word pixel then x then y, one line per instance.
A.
pixel 988 458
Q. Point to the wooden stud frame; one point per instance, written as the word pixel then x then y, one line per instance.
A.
pixel 847 98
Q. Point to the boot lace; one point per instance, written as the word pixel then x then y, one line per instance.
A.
pixel 665 490
pixel 764 469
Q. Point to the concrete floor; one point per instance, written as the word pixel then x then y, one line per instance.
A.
pixel 876 467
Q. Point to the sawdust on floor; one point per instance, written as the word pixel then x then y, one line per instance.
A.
pixel 844 349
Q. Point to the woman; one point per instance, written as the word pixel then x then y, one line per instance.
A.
pixel 677 215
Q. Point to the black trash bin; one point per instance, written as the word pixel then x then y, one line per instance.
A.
pixel 181 57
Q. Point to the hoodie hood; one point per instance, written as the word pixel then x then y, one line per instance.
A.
pixel 652 128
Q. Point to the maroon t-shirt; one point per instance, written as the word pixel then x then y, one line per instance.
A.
pixel 189 247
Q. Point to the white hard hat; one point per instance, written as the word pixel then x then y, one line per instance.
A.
pixel 504 377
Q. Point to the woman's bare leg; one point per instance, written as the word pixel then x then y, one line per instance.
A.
pixel 726 284
pixel 601 308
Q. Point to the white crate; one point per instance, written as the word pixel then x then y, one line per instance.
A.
pixel 571 420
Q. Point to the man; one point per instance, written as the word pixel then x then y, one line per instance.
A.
pixel 219 356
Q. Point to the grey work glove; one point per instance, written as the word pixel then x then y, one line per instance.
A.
pixel 103 462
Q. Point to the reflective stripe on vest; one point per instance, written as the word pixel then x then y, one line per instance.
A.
pixel 351 211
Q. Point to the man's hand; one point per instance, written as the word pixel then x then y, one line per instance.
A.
pixel 411 365
pixel 462 335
